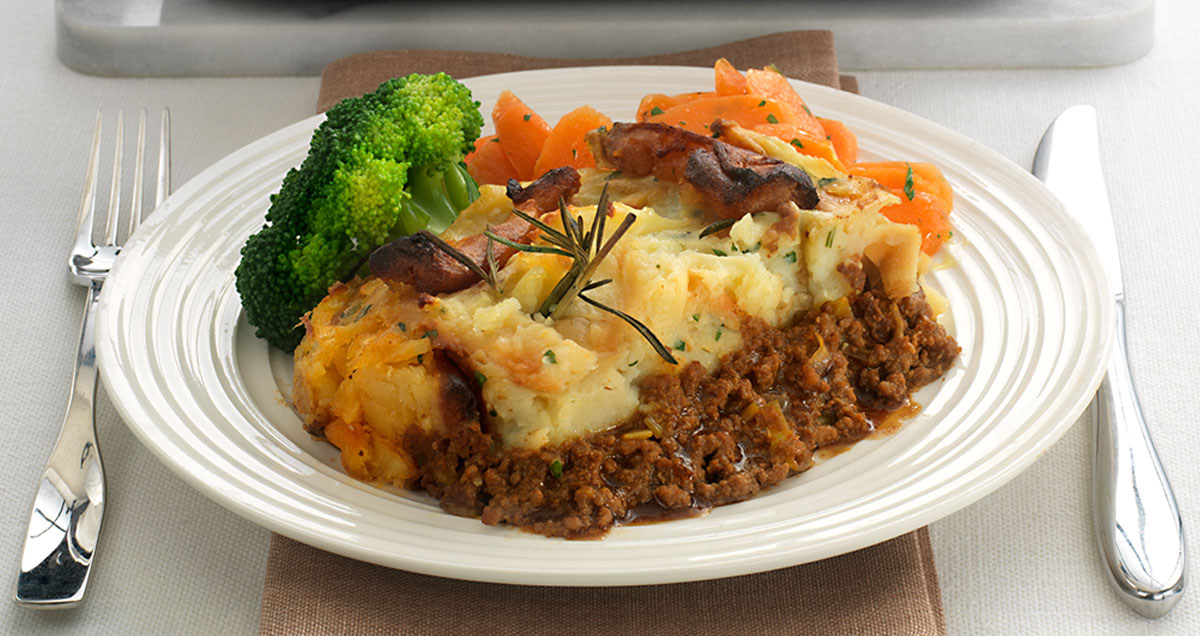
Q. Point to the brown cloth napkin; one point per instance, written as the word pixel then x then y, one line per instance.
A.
pixel 802 55
pixel 890 588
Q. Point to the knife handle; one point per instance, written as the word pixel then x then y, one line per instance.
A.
pixel 1136 517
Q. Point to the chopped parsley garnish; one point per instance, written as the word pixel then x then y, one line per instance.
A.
pixel 556 468
pixel 763 103
pixel 719 252
pixel 495 140
pixel 657 111
pixel 480 378
pixel 790 257
pixel 528 116
pixel 771 119
pixel 634 363
pixel 720 330
pixel 826 181
pixel 613 175
pixel 550 357
pixel 402 326
pixel 493 412
pixel 796 143
pixel 680 345
pixel 696 317
pixel 772 67
pixel 431 334
pixel 829 237
pixel 908 184
pixel 805 106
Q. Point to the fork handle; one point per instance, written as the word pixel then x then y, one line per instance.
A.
pixel 64 523
pixel 1137 520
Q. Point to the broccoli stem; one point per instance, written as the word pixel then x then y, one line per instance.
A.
pixel 411 219
pixel 461 187
pixel 428 189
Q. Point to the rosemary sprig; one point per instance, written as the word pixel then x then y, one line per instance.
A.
pixel 492 265
pixel 655 343
pixel 555 307
pixel 540 249
pixel 713 228
pixel 586 249
pixel 488 276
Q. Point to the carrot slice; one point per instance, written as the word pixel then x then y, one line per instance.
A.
pixel 926 198
pixel 729 80
pixel 479 144
pixel 928 213
pixel 894 176
pixel 566 146
pixel 657 103
pixel 771 85
pixel 845 143
pixel 522 132
pixel 752 112
pixel 748 111
pixel 488 163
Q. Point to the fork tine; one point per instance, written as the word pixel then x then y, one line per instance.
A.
pixel 114 197
pixel 87 202
pixel 135 199
pixel 163 187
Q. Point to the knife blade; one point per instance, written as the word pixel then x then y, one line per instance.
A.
pixel 1136 518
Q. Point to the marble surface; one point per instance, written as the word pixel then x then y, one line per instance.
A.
pixel 1021 561
pixel 270 37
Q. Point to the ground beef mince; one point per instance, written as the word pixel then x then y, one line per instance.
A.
pixel 701 440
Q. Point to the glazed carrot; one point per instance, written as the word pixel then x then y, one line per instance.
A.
pixel 488 163
pixel 928 213
pixel 566 146
pixel 522 133
pixel 729 80
pixel 748 111
pixel 845 143
pixel 656 103
pixel 926 198
pixel 894 176
pixel 771 85
pixel 479 144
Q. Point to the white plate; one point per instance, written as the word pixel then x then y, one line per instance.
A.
pixel 1030 307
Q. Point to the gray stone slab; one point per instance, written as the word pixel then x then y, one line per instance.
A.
pixel 299 37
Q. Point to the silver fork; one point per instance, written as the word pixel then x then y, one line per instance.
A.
pixel 64 524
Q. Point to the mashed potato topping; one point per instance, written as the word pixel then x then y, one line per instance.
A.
pixel 370 375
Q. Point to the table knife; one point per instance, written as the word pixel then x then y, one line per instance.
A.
pixel 1137 522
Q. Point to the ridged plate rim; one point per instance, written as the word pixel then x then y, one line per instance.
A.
pixel 1030 306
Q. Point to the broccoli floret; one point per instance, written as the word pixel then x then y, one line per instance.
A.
pixel 380 166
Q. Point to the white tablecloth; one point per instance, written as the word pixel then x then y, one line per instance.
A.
pixel 1021 561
